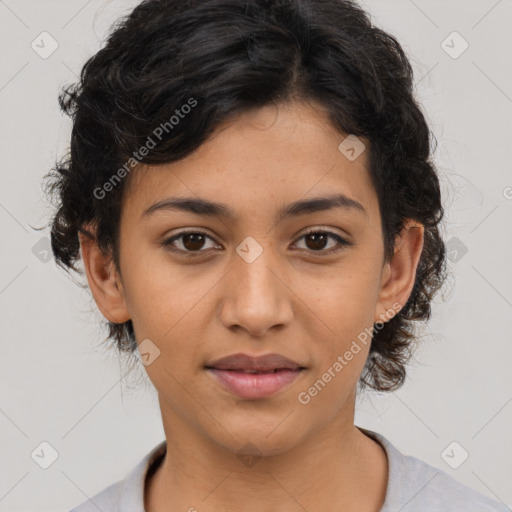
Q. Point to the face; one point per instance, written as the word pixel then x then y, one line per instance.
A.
pixel 201 286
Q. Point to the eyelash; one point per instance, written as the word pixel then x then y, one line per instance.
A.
pixel 168 244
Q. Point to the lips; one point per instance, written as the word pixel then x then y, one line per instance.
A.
pixel 262 364
pixel 255 377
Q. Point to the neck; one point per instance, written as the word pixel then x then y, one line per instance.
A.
pixel 336 468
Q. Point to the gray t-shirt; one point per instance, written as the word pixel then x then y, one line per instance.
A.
pixel 413 486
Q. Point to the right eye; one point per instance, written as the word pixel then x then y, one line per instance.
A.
pixel 191 242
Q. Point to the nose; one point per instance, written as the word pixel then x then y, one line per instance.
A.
pixel 257 297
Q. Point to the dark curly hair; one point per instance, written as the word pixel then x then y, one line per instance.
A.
pixel 229 56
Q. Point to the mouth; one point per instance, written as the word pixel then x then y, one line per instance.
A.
pixel 254 385
pixel 255 377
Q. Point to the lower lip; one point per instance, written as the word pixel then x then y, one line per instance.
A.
pixel 255 385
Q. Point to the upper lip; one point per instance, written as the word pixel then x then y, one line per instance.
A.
pixel 262 363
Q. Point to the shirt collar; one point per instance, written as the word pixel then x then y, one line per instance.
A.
pixel 132 493
pixel 395 470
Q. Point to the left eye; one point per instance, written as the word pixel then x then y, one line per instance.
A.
pixel 319 239
pixel 193 241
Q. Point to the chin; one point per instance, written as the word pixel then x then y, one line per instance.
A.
pixel 258 437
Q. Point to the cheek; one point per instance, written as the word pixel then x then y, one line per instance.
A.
pixel 157 293
pixel 167 306
pixel 345 303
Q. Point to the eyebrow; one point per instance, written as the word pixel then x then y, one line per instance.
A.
pixel 204 207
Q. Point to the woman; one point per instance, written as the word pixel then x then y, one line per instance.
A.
pixel 251 192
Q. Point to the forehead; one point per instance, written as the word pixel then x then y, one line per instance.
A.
pixel 261 161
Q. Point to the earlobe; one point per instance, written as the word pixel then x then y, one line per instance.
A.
pixel 103 280
pixel 399 274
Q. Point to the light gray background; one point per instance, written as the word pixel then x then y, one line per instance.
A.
pixel 59 387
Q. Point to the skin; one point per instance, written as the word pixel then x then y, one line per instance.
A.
pixel 290 300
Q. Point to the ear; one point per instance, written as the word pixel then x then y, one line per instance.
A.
pixel 104 281
pixel 399 274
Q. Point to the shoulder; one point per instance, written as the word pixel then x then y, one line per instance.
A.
pixel 432 489
pixel 108 500
pixel 125 495
pixel 415 486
